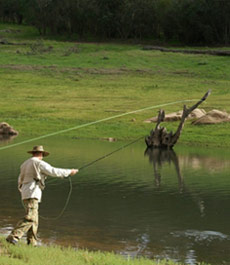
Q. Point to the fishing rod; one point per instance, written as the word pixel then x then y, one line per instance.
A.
pixel 83 167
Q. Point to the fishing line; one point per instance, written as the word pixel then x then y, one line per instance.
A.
pixel 81 168
pixel 103 157
pixel 94 122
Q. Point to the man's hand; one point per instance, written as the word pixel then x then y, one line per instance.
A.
pixel 73 172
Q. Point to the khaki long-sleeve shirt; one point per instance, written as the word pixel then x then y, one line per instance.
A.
pixel 33 172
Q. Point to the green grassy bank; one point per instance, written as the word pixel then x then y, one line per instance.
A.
pixel 54 255
pixel 49 85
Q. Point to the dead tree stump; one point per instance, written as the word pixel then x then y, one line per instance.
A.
pixel 160 138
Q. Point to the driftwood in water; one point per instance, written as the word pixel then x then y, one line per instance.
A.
pixel 160 138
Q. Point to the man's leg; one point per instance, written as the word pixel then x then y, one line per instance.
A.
pixel 30 221
pixel 32 232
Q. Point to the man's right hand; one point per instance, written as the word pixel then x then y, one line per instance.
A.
pixel 73 172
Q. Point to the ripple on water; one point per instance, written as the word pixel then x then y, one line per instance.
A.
pixel 201 236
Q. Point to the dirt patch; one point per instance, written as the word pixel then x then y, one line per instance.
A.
pixel 93 71
pixel 10 30
pixel 4 41
pixel 102 71
pixel 209 52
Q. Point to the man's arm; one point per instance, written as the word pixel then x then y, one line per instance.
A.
pixel 48 170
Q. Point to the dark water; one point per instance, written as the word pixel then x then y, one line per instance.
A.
pixel 136 202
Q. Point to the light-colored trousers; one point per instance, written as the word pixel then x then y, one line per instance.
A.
pixel 29 224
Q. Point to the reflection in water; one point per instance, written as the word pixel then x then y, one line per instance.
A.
pixel 158 157
pixel 6 138
pixel 197 162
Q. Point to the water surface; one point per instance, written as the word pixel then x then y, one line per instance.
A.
pixel 136 202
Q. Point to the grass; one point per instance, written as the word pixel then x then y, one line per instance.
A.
pixel 54 255
pixel 49 85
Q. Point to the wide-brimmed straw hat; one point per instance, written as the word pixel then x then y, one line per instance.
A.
pixel 39 148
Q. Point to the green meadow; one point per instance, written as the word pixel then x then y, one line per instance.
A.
pixel 48 85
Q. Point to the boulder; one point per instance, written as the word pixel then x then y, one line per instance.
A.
pixel 197 113
pixel 213 117
pixel 176 116
pixel 6 129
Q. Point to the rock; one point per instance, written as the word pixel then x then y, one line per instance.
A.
pixel 110 139
pixel 197 113
pixel 4 41
pixel 213 117
pixel 6 129
pixel 176 116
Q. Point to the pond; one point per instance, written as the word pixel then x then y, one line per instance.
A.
pixel 136 202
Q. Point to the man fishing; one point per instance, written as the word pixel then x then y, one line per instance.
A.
pixel 31 182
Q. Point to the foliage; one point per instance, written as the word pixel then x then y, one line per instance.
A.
pixel 186 21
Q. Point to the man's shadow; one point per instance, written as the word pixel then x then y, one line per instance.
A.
pixel 158 157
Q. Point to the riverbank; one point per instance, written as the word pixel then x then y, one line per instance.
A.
pixel 48 86
pixel 54 255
